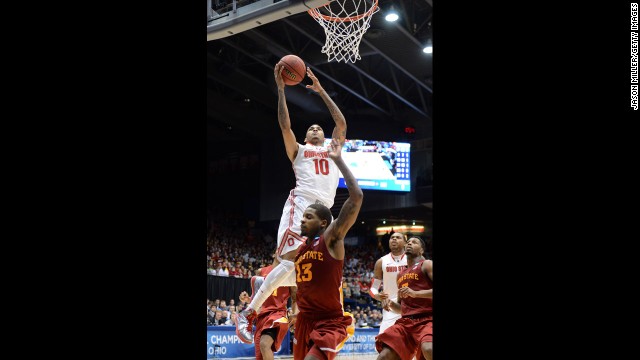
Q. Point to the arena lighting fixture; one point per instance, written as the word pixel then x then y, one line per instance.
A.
pixel 392 15
pixel 428 47
pixel 405 229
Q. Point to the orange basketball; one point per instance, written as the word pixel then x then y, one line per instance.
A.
pixel 294 69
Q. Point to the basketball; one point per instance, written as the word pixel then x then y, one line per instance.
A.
pixel 294 69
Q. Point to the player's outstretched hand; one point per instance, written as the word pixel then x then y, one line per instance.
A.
pixel 292 321
pixel 386 304
pixel 316 83
pixel 277 73
pixel 406 292
pixel 335 149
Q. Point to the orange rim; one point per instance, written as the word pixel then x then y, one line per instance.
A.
pixel 316 14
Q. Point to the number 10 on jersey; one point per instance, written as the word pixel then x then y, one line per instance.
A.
pixel 322 166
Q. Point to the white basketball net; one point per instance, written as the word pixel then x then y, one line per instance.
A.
pixel 344 23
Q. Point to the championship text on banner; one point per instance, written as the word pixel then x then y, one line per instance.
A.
pixel 223 343
pixel 362 342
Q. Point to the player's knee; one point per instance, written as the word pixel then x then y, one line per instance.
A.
pixel 265 344
pixel 387 354
pixel 315 354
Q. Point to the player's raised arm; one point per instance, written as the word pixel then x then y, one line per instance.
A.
pixel 290 143
pixel 335 233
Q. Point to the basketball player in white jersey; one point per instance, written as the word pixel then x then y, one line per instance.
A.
pixel 385 272
pixel 316 183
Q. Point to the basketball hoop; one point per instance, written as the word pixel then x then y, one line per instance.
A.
pixel 344 23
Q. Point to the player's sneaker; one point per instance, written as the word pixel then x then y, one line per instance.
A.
pixel 244 325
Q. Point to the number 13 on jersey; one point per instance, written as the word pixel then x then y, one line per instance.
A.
pixel 305 274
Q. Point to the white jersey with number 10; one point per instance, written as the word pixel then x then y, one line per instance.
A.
pixel 316 174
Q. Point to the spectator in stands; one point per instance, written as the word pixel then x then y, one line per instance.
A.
pixel 346 290
pixel 364 286
pixel 355 289
pixel 225 317
pixel 242 304
pixel 215 256
pixel 352 262
pixel 233 272
pixel 223 270
pixel 211 269
pixel 218 318
pixel 376 319
pixel 211 314
pixel 232 319
pixel 360 322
